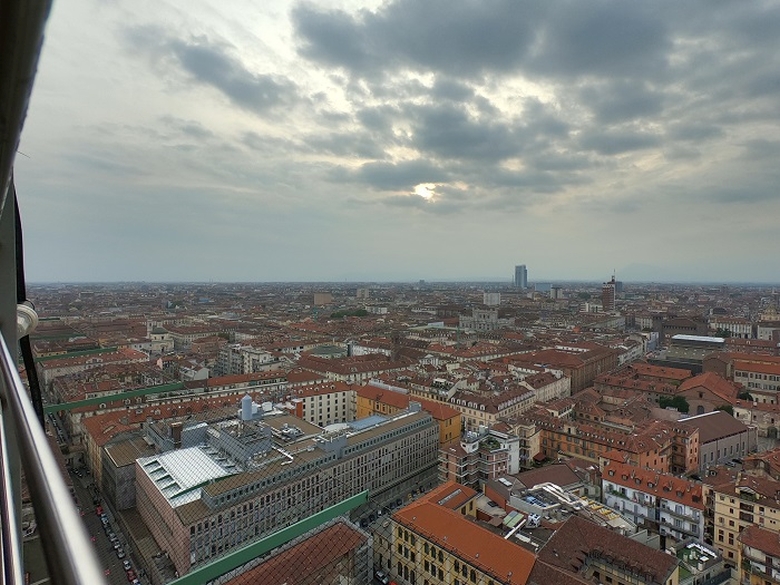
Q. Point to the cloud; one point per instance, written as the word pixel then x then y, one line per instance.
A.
pixel 402 176
pixel 212 64
pixel 455 37
pixel 601 38
pixel 449 132
pixel 611 143
pixel 618 101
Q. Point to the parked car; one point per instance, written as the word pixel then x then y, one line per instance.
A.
pixel 120 552
pixel 382 577
pixel 126 564
pixel 131 575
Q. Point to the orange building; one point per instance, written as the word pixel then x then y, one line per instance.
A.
pixel 373 399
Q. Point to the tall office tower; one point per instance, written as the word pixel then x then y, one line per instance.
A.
pixel 521 276
pixel 608 295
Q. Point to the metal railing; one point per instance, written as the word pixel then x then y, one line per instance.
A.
pixel 69 555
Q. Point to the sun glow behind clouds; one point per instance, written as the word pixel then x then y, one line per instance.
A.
pixel 425 190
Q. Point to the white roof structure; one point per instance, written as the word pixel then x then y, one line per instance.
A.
pixel 179 474
pixel 703 338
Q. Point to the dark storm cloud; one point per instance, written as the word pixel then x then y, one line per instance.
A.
pixel 459 38
pixel 213 65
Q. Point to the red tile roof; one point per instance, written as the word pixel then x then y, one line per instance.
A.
pixel 308 560
pixel 487 551
pixel 578 538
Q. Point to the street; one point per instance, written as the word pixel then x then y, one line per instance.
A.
pixel 106 554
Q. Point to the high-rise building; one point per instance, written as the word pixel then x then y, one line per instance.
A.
pixel 521 276
pixel 608 295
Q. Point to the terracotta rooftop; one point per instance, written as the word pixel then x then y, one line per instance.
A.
pixel 661 485
pixel 761 539
pixel 718 385
pixel 506 561
pixel 308 560
pixel 577 539
pixel 714 425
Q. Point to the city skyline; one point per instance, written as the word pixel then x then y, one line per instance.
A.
pixel 280 143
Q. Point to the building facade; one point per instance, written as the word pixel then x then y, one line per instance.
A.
pixel 234 482
pixel 521 277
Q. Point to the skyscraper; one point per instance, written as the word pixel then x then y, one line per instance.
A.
pixel 521 276
pixel 608 295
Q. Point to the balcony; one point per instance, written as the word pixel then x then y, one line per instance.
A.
pixel 692 516
pixel 25 450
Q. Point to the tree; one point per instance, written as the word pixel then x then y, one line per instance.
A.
pixel 726 408
pixel 745 395
pixel 678 402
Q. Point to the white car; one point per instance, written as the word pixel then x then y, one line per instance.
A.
pixel 382 578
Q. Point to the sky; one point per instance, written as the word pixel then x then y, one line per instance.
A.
pixel 404 140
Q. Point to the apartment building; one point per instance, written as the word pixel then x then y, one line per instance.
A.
pixel 184 335
pixel 237 480
pixel 580 364
pixel 547 386
pixel 433 541
pixel 599 555
pixel 353 369
pixel 759 559
pixel 760 380
pixel 324 404
pixel 480 457
pixel 739 503
pixel 484 409
pixel 383 399
pixel 734 326
pixel 660 502
pixel 236 358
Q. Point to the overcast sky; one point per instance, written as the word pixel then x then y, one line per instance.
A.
pixel 436 139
